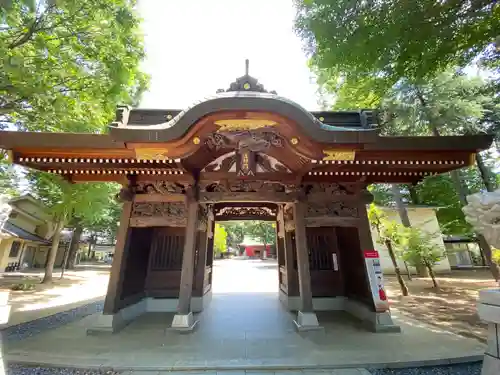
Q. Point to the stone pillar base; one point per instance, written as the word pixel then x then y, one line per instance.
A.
pixel 374 321
pixel 307 321
pixel 488 309
pixel 292 303
pixel 183 322
pixel 112 323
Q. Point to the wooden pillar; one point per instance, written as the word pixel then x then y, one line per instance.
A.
pixel 292 278
pixel 199 272
pixel 117 275
pixel 183 319
pixel 306 318
pixel 302 258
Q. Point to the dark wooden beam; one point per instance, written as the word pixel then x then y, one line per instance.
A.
pixel 264 176
pixel 217 197
pixel 249 217
pixel 144 198
pixel 157 221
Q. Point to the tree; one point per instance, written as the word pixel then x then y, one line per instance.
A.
pixel 9 178
pixel 396 39
pixel 448 104
pixel 235 232
pixel 416 248
pixel 220 239
pixel 66 64
pixel 389 234
pixel 264 231
pixel 65 201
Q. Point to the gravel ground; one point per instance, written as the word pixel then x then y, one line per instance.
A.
pixel 462 369
pixel 28 329
pixel 21 370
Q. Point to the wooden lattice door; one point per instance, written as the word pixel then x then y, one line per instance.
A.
pixel 165 261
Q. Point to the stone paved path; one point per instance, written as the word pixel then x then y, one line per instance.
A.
pixel 350 371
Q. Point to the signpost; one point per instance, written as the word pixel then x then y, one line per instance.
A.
pixel 376 279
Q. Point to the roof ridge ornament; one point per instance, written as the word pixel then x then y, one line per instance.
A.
pixel 246 83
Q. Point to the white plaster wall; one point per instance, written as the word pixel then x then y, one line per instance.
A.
pixel 421 217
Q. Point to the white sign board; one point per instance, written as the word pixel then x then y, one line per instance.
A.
pixel 376 279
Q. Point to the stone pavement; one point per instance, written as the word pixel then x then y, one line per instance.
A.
pixel 351 371
pixel 244 328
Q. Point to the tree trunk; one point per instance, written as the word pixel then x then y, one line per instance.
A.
pixel 65 260
pixel 485 173
pixel 74 247
pixel 405 220
pixel 488 256
pixel 433 277
pixel 51 256
pixel 402 285
pixel 413 194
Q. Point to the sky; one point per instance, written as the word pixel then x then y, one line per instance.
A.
pixel 195 47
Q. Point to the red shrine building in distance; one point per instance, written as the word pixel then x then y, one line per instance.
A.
pixel 244 153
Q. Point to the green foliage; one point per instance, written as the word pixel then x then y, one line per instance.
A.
pixel 9 178
pixel 396 38
pixel 388 230
pixel 416 248
pixel 264 231
pixel 86 201
pixel 235 232
pixel 496 255
pixel 66 64
pixel 24 286
pixel 220 239
pixel 451 103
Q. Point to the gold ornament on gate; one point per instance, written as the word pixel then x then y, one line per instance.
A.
pixel 339 154
pixel 233 125
pixel 151 153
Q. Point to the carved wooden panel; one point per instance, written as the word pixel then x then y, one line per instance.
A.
pixel 241 186
pixel 159 187
pixel 332 188
pixel 171 214
pixel 335 209
pixel 256 213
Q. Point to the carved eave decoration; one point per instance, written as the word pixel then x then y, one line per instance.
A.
pixel 159 187
pixel 264 164
pixel 257 212
pixel 241 186
pixel 256 141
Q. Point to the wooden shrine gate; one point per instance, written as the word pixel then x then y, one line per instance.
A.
pixel 250 153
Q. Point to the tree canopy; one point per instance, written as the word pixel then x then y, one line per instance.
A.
pixel 66 64
pixel 65 67
pixel 396 38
